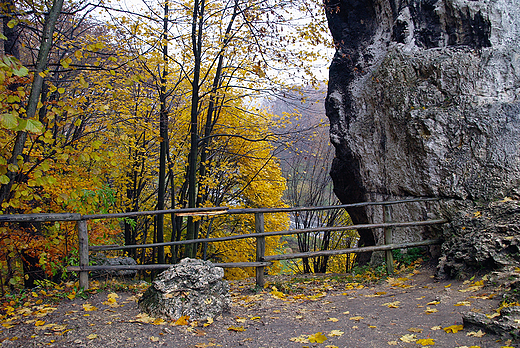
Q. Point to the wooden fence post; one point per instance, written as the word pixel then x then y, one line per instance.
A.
pixel 83 252
pixel 389 257
pixel 260 249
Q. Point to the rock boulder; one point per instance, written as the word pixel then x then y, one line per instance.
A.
pixel 192 288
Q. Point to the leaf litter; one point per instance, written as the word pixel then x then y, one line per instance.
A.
pixel 315 311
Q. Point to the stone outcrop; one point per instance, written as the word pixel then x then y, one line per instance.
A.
pixel 101 259
pixel 192 288
pixel 424 101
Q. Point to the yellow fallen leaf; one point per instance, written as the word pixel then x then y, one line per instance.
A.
pixel 143 318
pixel 329 346
pixel 236 328
pixel 158 321
pixel 208 322
pixel 358 318
pixel 92 336
pixel 300 339
pixel 372 326
pixel 241 320
pixel 462 303
pixel 184 320
pixel 88 307
pixel 433 303
pixel 394 304
pixel 425 342
pixel 154 339
pixel 392 343
pixel 494 315
pixel 453 328
pixel 334 320
pixel 409 338
pixel 431 310
pixel 347 312
pixel 317 338
pixel 479 333
pixel 436 328
pixel 447 286
pixel 59 327
pixel 39 323
pixel 335 333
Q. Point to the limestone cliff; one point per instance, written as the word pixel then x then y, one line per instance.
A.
pixel 424 101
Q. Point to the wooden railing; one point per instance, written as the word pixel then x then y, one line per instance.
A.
pixel 262 260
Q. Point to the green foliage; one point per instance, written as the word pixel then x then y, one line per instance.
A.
pixel 409 256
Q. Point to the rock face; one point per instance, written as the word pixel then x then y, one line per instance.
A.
pixel 100 259
pixel 424 101
pixel 192 288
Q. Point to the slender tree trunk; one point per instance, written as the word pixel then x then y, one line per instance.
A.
pixel 196 36
pixel 34 97
pixel 164 140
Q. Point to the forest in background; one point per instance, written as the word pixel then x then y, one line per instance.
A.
pixel 171 105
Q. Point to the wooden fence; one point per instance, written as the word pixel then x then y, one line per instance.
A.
pixel 262 260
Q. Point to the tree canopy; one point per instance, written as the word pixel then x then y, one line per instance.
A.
pixel 147 108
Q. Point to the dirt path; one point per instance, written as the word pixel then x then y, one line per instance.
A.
pixel 410 311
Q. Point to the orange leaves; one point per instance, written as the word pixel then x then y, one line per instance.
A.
pixel 184 320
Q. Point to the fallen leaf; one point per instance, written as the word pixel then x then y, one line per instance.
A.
pixel 392 343
pixel 154 339
pixel 430 310
pixel 462 303
pixel 88 307
pixel 494 315
pixel 416 330
pixel 208 322
pixel 409 338
pixel 479 333
pixel 394 304
pixel 92 336
pixel 39 323
pixel 358 318
pixel 453 328
pixel 300 339
pixel 335 333
pixel 436 328
pixel 241 320
pixel 236 328
pixel 433 303
pixel 317 338
pixel 425 342
pixel 334 320
pixel 59 327
pixel 184 320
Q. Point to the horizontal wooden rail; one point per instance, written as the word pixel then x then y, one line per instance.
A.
pixel 44 217
pixel 352 250
pixel 39 217
pixel 270 234
pixel 161 266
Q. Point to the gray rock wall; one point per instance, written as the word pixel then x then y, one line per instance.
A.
pixel 424 101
